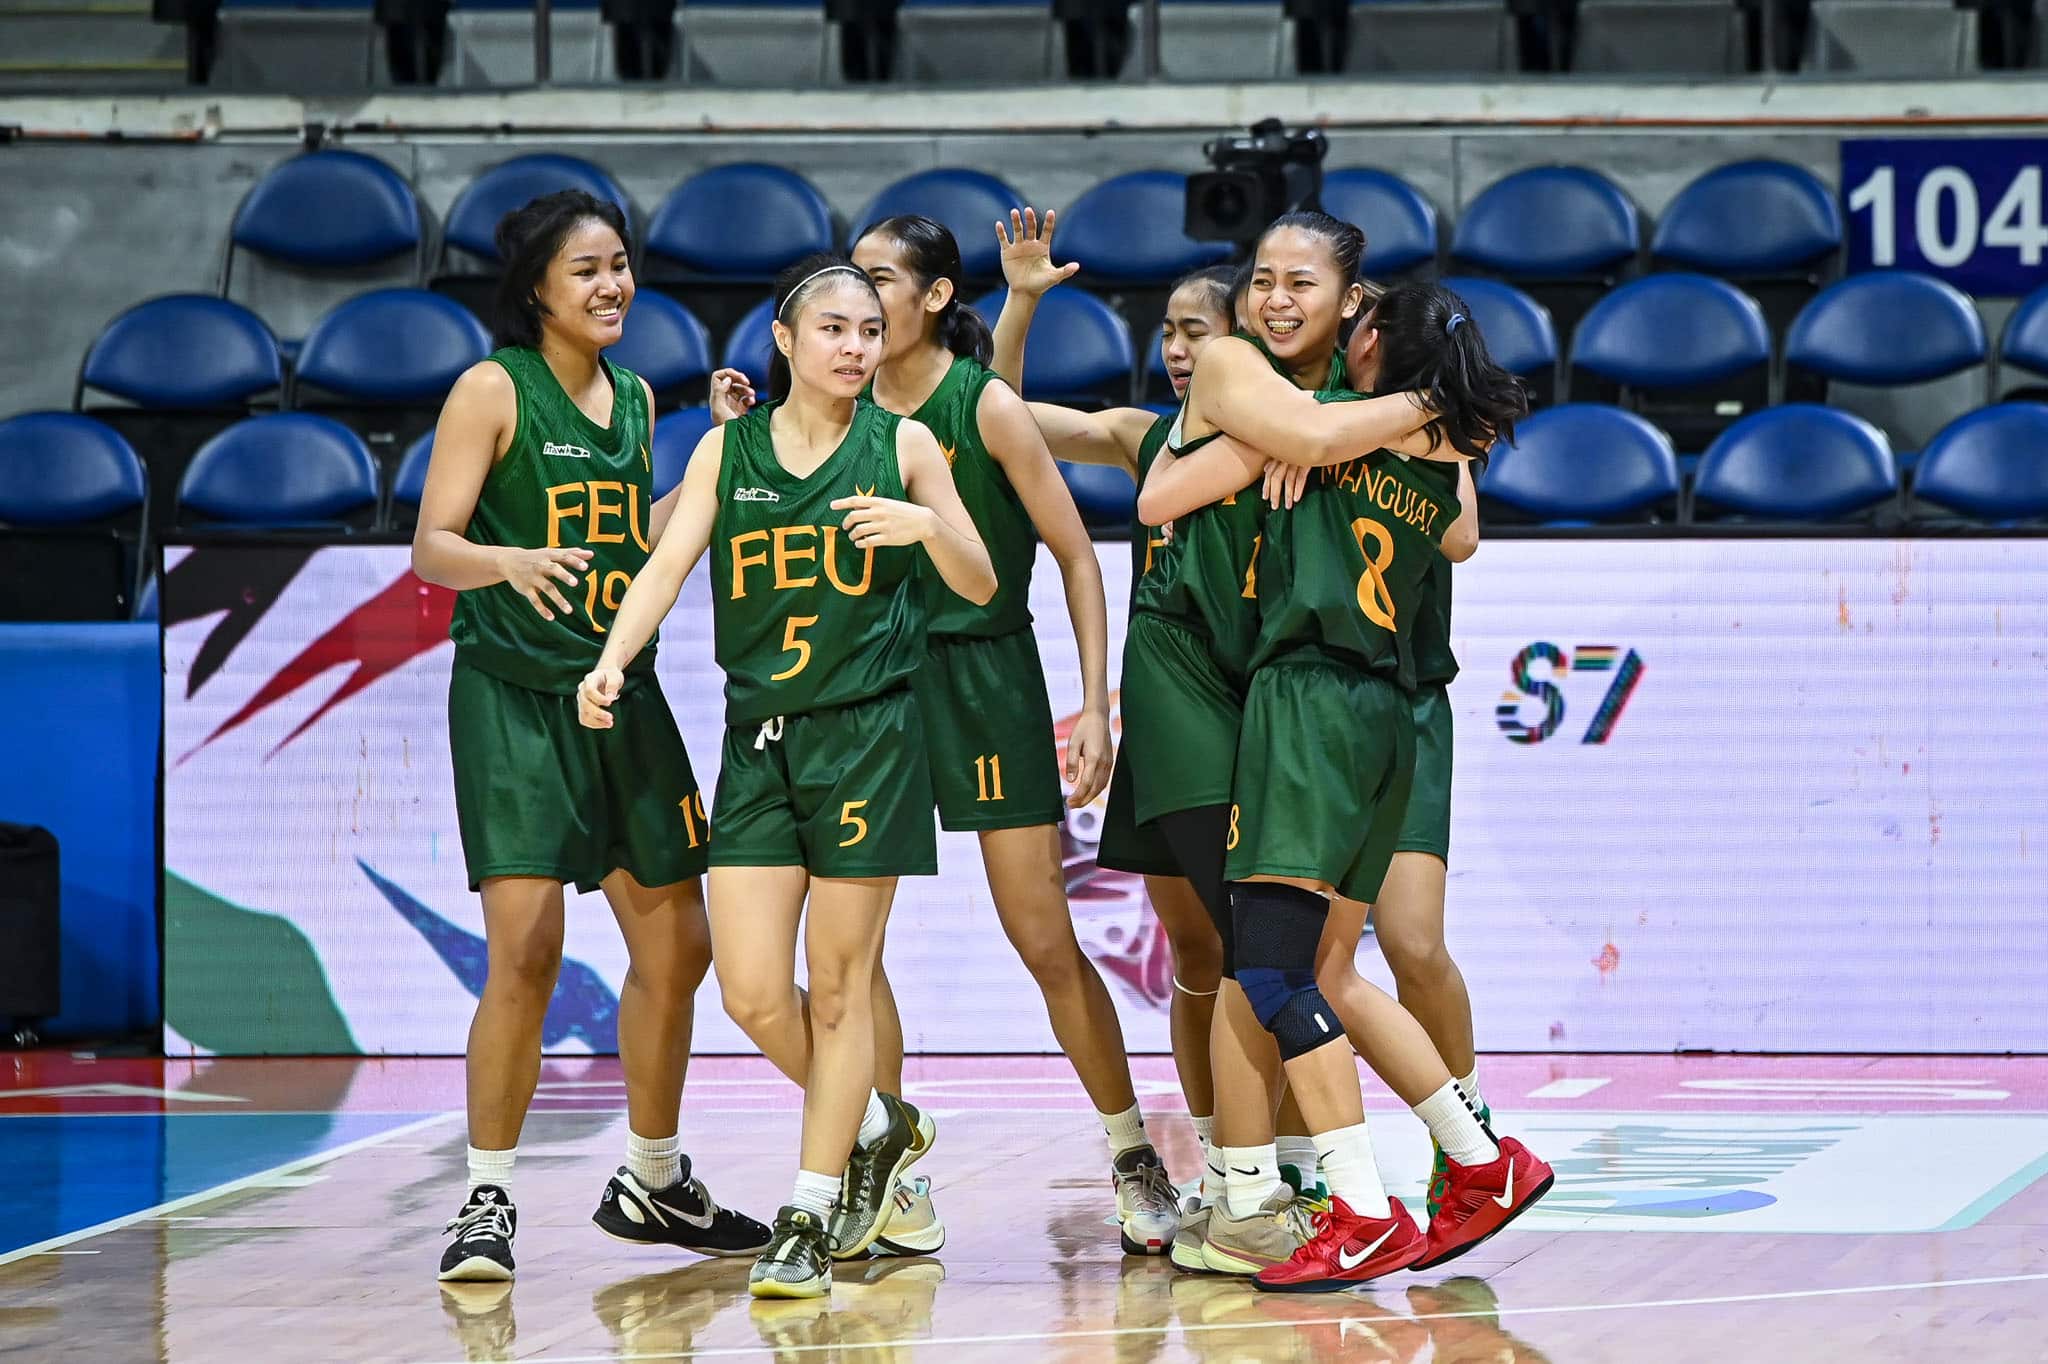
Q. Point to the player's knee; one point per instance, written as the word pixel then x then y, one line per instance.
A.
pixel 527 964
pixel 755 1007
pixel 1412 953
pixel 1051 955
pixel 1277 929
pixel 1197 955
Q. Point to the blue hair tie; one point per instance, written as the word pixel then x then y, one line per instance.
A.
pixel 1452 325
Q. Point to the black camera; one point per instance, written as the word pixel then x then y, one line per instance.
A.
pixel 1255 180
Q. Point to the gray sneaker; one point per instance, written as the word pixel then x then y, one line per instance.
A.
pixel 1245 1245
pixel 868 1187
pixel 797 1263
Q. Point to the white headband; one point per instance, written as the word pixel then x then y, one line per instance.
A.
pixel 799 287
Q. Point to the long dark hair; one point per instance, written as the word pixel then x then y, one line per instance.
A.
pixel 528 238
pixel 1431 344
pixel 794 288
pixel 932 255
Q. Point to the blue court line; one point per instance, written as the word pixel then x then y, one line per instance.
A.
pixel 72 1174
pixel 1993 1200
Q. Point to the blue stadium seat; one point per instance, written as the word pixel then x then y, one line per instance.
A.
pixel 665 345
pixel 1517 329
pixel 63 469
pixel 1991 464
pixel 327 209
pixel 1906 346
pixel 752 345
pixel 675 440
pixel 401 346
pixel 2024 344
pixel 1584 463
pixel 1800 462
pixel 409 484
pixel 473 220
pixel 285 471
pixel 1080 350
pixel 1750 218
pixel 1105 496
pixel 1399 223
pixel 744 221
pixel 968 202
pixel 1127 230
pixel 1548 222
pixel 73 504
pixel 1565 234
pixel 183 351
pixel 1690 352
pixel 1887 327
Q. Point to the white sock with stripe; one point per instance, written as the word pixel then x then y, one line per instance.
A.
pixel 1456 1127
pixel 1351 1172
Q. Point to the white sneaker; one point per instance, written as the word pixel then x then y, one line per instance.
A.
pixel 1147 1204
pixel 911 1226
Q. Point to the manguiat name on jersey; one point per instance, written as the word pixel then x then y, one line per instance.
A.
pixel 1402 501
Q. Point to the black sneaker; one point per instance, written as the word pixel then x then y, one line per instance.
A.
pixel 797 1262
pixel 680 1215
pixel 867 1189
pixel 482 1249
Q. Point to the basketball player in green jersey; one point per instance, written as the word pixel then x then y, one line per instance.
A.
pixel 537 513
pixel 1127 438
pixel 1323 770
pixel 814 507
pixel 1408 916
pixel 988 721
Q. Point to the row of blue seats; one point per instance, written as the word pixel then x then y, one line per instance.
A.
pixel 1579 464
pixel 1674 331
pixel 746 221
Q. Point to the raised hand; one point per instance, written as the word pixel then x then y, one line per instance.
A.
pixel 1027 253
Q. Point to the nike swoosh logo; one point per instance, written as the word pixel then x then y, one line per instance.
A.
pixel 1507 1198
pixel 700 1220
pixel 1347 1262
pixel 1234 1170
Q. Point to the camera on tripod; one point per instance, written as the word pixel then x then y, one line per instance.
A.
pixel 1255 180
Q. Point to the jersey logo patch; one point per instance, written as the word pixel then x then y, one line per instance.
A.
pixel 948 451
pixel 571 451
pixel 755 495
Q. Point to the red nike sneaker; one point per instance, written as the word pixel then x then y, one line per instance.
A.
pixel 1482 1199
pixel 1346 1251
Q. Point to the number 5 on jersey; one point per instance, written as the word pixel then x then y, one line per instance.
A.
pixel 792 645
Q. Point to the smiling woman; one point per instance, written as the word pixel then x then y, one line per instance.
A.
pixel 537 511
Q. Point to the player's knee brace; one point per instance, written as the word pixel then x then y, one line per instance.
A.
pixel 1277 930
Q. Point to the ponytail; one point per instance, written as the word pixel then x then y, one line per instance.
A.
pixel 931 254
pixel 1430 343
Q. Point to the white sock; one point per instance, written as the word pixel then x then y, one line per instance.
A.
pixel 874 1124
pixel 492 1167
pixel 1205 1128
pixel 1470 1084
pixel 656 1162
pixel 1125 1130
pixel 815 1193
pixel 1213 1175
pixel 1251 1175
pixel 1300 1152
pixel 1351 1172
pixel 1456 1127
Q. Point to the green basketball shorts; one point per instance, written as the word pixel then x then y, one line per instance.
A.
pixel 988 730
pixel 844 792
pixel 1181 717
pixel 1127 845
pixel 537 794
pixel 1323 772
pixel 1427 826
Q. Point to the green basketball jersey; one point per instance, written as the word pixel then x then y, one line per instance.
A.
pixel 802 620
pixel 565 482
pixel 1207 579
pixel 1430 640
pixel 999 514
pixel 1147 541
pixel 1343 570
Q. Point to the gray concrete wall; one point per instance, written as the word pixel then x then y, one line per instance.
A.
pixel 88 228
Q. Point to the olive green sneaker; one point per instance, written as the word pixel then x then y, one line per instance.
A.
pixel 867 1189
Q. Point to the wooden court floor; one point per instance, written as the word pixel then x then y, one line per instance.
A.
pixel 1707 1209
